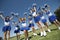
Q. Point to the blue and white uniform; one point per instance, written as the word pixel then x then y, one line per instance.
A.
pixel 42 18
pixel 7 26
pixel 17 29
pixel 31 24
pixel 36 17
pixel 24 26
pixel 51 16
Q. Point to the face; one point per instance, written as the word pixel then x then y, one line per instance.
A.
pixel 21 19
pixel 33 10
pixel 7 18
pixel 39 13
pixel 45 10
pixel 28 16
pixel 34 7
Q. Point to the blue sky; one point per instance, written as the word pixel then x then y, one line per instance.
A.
pixel 21 6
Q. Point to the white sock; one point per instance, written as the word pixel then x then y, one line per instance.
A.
pixel 27 38
pixel 41 33
pixel 45 33
pixel 59 28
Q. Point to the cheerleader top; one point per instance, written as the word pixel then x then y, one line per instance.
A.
pixel 34 14
pixel 42 16
pixel 17 27
pixel 23 23
pixel 30 19
pixel 49 13
pixel 6 22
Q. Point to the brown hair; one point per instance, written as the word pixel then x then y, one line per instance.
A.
pixel 33 10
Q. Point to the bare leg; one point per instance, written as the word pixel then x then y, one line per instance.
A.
pixel 18 36
pixel 26 34
pixel 47 27
pixel 40 27
pixel 8 32
pixel 33 29
pixel 57 22
pixel 5 35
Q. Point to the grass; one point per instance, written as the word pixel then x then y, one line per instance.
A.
pixel 53 35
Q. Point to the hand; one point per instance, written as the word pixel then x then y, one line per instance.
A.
pixel 25 14
pixel 12 13
pixel 34 4
pixel 0 15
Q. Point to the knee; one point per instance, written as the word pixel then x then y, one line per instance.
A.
pixel 25 31
pixel 32 27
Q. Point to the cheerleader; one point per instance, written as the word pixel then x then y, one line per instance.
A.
pixel 52 17
pixel 17 29
pixel 37 20
pixel 7 27
pixel 31 24
pixel 44 20
pixel 24 27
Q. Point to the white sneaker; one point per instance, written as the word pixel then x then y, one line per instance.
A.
pixel 49 30
pixel 59 28
pixel 34 34
pixel 41 33
pixel 27 39
pixel 45 33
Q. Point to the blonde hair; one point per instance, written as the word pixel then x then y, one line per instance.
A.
pixel 21 19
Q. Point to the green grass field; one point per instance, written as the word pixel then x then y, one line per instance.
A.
pixel 53 35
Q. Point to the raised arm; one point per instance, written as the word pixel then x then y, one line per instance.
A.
pixel 25 15
pixel 34 6
pixel 14 23
pixel 14 14
pixel 47 6
pixel 2 16
pixel 11 17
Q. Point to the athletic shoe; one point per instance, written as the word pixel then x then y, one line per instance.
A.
pixel 44 33
pixel 34 34
pixel 49 30
pixel 41 34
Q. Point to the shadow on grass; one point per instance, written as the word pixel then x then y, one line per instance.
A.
pixel 54 29
pixel 47 31
pixel 29 37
